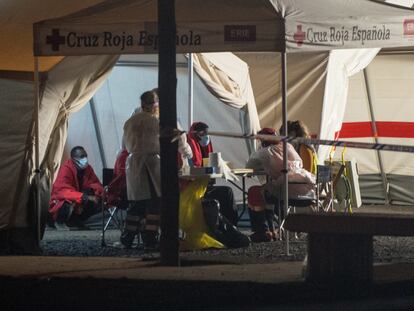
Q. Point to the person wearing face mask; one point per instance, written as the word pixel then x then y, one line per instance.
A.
pixel 77 191
pixel 201 146
pixel 141 137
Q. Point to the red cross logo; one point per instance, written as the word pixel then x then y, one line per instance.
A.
pixel 299 36
pixel 55 40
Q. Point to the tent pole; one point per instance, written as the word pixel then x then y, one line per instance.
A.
pixel 374 129
pixel 190 89
pixel 285 156
pixel 97 132
pixel 167 83
pixel 37 149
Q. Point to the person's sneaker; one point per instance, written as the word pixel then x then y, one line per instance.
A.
pixel 261 236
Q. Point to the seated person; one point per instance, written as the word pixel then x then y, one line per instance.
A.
pixel 116 190
pixel 306 152
pixel 201 146
pixel 270 159
pixel 76 192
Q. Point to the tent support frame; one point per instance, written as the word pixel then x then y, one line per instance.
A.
pixel 374 129
pixel 190 89
pixel 97 132
pixel 37 149
pixel 285 155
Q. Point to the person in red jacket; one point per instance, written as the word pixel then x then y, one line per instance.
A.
pixel 201 146
pixel 200 143
pixel 77 191
pixel 116 190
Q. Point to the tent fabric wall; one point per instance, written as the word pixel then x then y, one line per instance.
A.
pixel 68 88
pixel 228 78
pixel 342 65
pixel 306 84
pixel 16 98
pixel 71 84
pixel 390 78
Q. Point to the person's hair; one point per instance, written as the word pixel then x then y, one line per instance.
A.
pixel 200 126
pixel 148 99
pixel 267 131
pixel 297 129
pixel 74 149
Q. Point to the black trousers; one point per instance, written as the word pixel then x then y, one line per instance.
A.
pixel 224 195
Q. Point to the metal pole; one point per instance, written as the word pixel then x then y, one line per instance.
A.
pixel 284 133
pixel 98 132
pixel 167 82
pixel 374 128
pixel 190 89
pixel 37 149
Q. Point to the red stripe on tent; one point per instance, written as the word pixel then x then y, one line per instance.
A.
pixel 385 129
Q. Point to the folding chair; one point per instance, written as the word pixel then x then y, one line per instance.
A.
pixel 113 211
pixel 325 181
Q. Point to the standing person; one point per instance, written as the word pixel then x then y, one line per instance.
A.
pixel 201 146
pixel 306 152
pixel 141 136
pixel 76 192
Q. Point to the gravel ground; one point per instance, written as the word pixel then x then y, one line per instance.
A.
pixel 88 243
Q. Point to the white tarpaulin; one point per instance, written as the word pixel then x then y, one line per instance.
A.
pixel 130 27
pixel 228 78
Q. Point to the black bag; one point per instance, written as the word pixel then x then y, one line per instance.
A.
pixel 221 228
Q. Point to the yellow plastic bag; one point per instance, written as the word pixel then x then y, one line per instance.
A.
pixel 192 218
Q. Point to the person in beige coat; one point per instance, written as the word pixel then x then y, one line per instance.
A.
pixel 141 138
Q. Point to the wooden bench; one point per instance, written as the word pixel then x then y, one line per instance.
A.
pixel 340 246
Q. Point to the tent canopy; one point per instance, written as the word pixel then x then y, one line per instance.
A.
pixel 130 27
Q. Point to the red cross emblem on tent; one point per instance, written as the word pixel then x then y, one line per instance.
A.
pixel 55 40
pixel 299 36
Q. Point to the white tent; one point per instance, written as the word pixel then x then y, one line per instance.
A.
pixel 223 29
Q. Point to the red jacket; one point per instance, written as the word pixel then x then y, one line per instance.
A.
pixel 66 187
pixel 118 183
pixel 196 148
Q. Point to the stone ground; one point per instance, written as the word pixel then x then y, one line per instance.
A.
pixel 86 276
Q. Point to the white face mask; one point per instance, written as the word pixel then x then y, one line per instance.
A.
pixel 82 163
pixel 205 140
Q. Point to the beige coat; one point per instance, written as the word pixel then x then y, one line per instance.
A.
pixel 141 137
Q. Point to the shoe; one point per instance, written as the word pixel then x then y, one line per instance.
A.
pixel 127 238
pixel 261 236
pixel 64 213
pixel 61 227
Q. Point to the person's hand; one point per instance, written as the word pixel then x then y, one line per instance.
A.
pixel 93 198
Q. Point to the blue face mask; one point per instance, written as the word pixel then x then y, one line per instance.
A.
pixel 204 140
pixel 82 163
